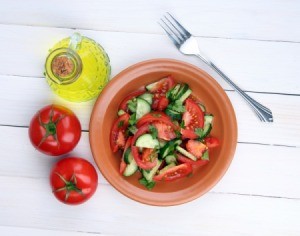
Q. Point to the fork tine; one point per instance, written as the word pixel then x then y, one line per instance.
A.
pixel 182 35
pixel 187 33
pixel 170 33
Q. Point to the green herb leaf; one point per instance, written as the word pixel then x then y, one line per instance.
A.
pixel 199 132
pixel 182 124
pixel 132 129
pixel 205 156
pixel 148 185
pixel 121 123
pixel 132 119
pixel 168 94
pixel 178 134
pixel 177 106
pixel 153 131
pixel 132 104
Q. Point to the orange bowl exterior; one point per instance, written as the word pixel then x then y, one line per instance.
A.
pixel 206 89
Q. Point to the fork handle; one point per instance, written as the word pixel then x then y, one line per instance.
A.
pixel 264 113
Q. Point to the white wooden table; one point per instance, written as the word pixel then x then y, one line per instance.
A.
pixel 257 43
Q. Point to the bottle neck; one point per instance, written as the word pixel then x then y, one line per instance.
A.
pixel 63 66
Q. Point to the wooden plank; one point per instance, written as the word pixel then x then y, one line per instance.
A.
pixel 253 171
pixel 264 20
pixel 34 94
pixel 17 231
pixel 109 212
pixel 253 65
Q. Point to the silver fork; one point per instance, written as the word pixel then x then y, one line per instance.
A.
pixel 187 44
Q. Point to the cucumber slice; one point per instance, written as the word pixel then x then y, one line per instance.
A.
pixel 186 153
pixel 132 167
pixel 185 95
pixel 148 97
pixel 121 112
pixel 173 114
pixel 127 156
pixel 169 147
pixel 205 156
pixel 170 159
pixel 171 94
pixel 148 175
pixel 132 105
pixel 147 141
pixel 182 90
pixel 203 108
pixel 142 108
pixel 150 87
pixel 167 168
pixel 208 119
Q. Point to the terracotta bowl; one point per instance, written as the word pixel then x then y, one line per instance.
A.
pixel 205 88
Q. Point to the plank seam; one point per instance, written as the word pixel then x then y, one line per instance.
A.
pixel 153 33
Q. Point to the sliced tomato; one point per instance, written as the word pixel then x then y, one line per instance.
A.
pixel 163 85
pixel 196 148
pixel 165 132
pixel 127 145
pixel 156 116
pixel 160 102
pixel 211 142
pixel 183 159
pixel 163 102
pixel 122 166
pixel 123 106
pixel 117 133
pixel 146 165
pixel 174 173
pixel 149 154
pixel 193 118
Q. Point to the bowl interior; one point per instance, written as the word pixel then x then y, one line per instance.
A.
pixel 206 89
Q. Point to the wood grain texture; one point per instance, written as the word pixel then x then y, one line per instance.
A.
pixel 254 170
pixel 253 65
pixel 36 94
pixel 109 212
pixel 18 231
pixel 256 43
pixel 263 20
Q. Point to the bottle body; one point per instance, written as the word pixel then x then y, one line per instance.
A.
pixel 77 75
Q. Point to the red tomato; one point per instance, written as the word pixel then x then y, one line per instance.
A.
pixel 149 154
pixel 54 130
pixel 183 159
pixel 160 102
pixel 174 173
pixel 73 180
pixel 211 142
pixel 163 85
pixel 156 116
pixel 196 148
pixel 163 102
pixel 123 164
pixel 123 106
pixel 165 132
pixel 193 118
pixel 146 165
pixel 117 133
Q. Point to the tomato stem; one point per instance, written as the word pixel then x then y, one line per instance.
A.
pixel 69 186
pixel 50 127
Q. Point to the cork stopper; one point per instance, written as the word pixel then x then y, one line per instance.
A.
pixel 62 66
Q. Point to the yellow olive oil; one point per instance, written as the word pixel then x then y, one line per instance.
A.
pixel 77 71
